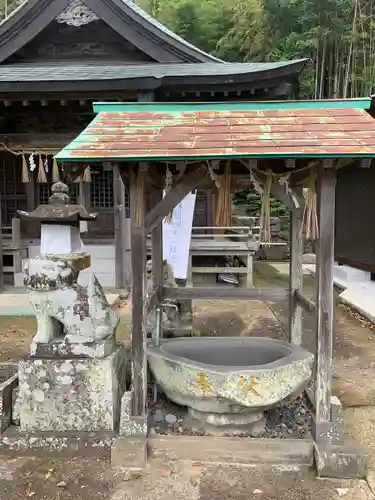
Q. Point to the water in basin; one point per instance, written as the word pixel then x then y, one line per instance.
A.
pixel 229 355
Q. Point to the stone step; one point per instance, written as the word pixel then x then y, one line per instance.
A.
pixel 350 274
pixel 232 450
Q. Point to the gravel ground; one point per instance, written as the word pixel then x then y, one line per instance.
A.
pixel 291 419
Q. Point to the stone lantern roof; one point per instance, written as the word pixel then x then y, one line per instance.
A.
pixel 58 209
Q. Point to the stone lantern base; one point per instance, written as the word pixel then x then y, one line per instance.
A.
pixel 72 393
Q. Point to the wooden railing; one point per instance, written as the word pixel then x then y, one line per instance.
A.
pixel 12 246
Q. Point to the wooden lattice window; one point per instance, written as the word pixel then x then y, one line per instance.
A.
pixel 45 192
pixel 101 187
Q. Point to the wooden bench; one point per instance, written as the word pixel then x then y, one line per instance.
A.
pixel 278 248
pixel 240 241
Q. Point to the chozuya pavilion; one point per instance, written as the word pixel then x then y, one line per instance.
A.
pixel 305 141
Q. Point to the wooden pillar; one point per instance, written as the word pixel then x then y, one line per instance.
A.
pixel 31 229
pixel 138 265
pixel 1 251
pixel 295 273
pixel 157 244
pixel 324 298
pixel 138 261
pixel 122 233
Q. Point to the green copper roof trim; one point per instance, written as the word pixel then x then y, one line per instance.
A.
pixel 174 108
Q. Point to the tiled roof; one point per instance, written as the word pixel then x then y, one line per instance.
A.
pixel 107 71
pixel 285 129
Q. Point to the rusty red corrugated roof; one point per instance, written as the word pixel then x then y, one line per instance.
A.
pixel 169 131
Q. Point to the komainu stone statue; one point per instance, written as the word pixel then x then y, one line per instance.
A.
pixel 63 308
pixel 66 311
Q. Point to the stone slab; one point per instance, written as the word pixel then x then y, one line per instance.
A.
pixel 14 442
pixel 63 349
pixel 131 425
pixel 8 382
pixel 360 296
pixel 232 450
pixel 65 395
pixel 129 452
pixel 343 460
pixel 245 483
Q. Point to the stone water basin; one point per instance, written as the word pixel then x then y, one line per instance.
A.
pixel 229 381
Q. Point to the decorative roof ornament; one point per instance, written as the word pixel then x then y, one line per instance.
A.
pixel 77 14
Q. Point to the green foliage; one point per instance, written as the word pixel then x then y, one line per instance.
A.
pixel 252 201
pixel 337 35
pixel 8 6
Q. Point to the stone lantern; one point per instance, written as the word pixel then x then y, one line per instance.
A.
pixel 73 377
pixel 59 220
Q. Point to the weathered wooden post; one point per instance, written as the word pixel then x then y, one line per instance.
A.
pixel 324 295
pixel 139 309
pixel 295 272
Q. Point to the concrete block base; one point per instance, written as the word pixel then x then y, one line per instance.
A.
pixel 233 450
pixel 77 394
pixel 129 453
pixel 131 426
pixel 341 460
pixel 14 442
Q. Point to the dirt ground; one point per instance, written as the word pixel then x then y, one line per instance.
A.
pixel 354 367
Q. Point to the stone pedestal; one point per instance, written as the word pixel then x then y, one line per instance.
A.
pixel 72 393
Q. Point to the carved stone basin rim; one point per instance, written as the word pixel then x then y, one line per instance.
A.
pixel 221 354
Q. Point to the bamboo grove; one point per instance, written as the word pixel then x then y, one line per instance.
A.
pixel 338 36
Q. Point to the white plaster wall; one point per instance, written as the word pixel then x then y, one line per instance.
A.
pixel 102 264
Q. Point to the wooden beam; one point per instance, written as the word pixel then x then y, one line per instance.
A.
pixel 155 179
pixel 344 162
pixel 224 292
pixel 187 183
pixel 139 309
pixel 290 163
pixel 157 244
pixel 365 162
pixel 305 302
pixel 1 250
pixel 31 228
pixel 279 192
pixel 122 233
pixel 145 96
pixel 295 273
pixel 324 295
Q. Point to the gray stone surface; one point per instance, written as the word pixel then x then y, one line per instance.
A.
pixel 63 308
pixel 64 349
pixel 15 442
pixel 229 375
pixel 342 460
pixel 72 394
pixel 8 382
pixel 170 418
pixel 129 452
pixel 131 425
pixel 277 483
pixel 16 407
pixel 233 450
